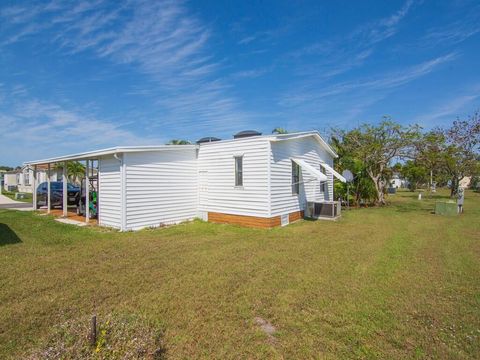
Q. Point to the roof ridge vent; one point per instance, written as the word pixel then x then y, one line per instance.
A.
pixel 207 139
pixel 246 133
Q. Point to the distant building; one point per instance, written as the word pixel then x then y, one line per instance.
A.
pixel 21 180
pixel 398 182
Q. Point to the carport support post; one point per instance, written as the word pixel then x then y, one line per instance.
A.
pixel 34 188
pixel 49 201
pixel 87 192
pixel 64 192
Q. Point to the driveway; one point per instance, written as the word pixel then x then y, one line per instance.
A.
pixel 7 203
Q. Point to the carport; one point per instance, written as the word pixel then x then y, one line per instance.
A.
pixel 89 160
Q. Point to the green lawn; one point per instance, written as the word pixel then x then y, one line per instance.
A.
pixel 28 197
pixel 395 282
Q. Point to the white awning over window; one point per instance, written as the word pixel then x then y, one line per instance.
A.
pixel 336 174
pixel 310 169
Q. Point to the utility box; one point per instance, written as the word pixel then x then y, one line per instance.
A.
pixel 448 208
pixel 323 210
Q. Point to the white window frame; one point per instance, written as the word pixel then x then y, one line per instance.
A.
pixel 295 178
pixel 238 184
pixel 323 184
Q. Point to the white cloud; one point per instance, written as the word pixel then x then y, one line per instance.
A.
pixel 381 83
pixel 247 40
pixel 343 53
pixel 448 110
pixel 35 129
pixel 455 32
pixel 162 40
pixel 250 74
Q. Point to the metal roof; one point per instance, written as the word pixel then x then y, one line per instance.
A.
pixel 127 149
pixel 110 151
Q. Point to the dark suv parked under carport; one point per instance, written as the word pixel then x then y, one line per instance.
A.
pixel 56 194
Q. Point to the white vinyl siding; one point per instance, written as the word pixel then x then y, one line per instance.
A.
pixel 217 166
pixel 161 187
pixel 308 149
pixel 110 199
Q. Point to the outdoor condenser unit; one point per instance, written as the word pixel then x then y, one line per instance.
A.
pixel 325 209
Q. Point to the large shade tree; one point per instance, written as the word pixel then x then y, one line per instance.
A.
pixel 376 146
pixel 430 154
pixel 360 189
pixel 460 153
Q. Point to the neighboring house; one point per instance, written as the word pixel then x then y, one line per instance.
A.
pixel 10 179
pixel 251 180
pixel 398 182
pixel 22 179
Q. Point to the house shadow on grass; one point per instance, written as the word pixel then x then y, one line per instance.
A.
pixel 8 236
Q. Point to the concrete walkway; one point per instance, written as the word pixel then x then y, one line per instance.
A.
pixel 7 203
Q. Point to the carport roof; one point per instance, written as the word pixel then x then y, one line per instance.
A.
pixel 110 151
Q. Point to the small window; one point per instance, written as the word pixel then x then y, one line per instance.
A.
pixel 295 178
pixel 27 179
pixel 238 170
pixel 323 184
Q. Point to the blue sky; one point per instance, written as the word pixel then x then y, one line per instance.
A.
pixel 83 75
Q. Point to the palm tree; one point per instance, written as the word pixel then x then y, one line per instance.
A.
pixel 279 130
pixel 178 142
pixel 75 171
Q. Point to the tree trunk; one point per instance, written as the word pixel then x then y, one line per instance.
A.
pixel 381 194
pixel 453 187
pixel 379 189
pixel 377 181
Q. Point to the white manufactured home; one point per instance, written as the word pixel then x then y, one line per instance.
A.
pixel 250 180
pixel 21 180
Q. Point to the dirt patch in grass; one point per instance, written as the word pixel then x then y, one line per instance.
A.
pixel 118 337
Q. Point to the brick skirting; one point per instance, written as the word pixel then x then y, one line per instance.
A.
pixel 252 221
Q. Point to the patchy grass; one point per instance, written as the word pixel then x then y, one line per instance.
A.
pixel 394 282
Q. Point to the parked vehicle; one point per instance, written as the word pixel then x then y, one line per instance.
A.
pixel 56 194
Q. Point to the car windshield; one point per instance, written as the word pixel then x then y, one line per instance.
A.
pixel 57 185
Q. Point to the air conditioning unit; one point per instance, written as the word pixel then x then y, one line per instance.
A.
pixel 323 210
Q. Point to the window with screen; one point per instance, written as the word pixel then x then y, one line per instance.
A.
pixel 238 170
pixel 323 184
pixel 295 178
